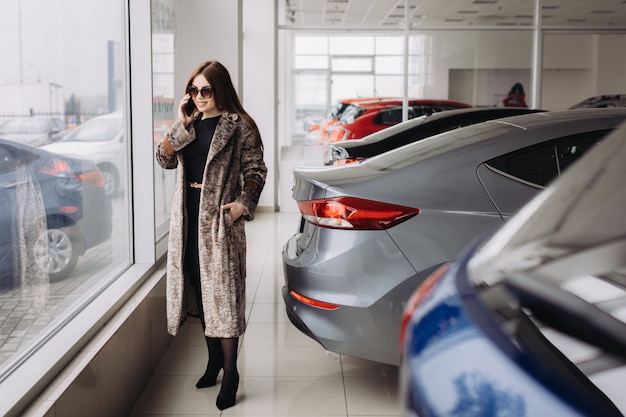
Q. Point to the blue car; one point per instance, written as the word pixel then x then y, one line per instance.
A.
pixel 531 320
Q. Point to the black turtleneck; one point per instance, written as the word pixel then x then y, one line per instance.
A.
pixel 195 154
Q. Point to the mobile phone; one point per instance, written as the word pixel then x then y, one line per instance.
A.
pixel 190 107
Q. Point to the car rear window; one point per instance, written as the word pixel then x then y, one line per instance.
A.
pixel 351 113
pixel 390 116
pixel 541 163
pixel 337 110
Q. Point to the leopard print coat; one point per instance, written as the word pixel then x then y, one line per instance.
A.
pixel 234 171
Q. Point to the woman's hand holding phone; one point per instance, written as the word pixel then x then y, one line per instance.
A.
pixel 190 107
pixel 186 110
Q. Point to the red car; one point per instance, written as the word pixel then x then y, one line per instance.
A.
pixel 360 119
pixel 318 130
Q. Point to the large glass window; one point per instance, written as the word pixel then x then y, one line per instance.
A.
pixel 164 100
pixel 64 164
pixel 329 68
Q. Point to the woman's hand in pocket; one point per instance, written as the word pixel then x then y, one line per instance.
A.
pixel 236 210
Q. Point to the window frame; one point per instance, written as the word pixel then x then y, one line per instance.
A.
pixel 29 375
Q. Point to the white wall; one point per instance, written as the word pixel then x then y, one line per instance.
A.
pixel 259 89
pixel 486 87
pixel 477 51
pixel 478 67
pixel 611 75
pixel 205 30
pixel 212 30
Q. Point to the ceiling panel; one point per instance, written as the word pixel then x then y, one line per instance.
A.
pixel 389 14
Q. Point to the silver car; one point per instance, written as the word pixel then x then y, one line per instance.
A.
pixel 372 231
pixel 102 140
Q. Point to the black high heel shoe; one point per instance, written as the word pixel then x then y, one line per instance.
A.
pixel 228 393
pixel 209 378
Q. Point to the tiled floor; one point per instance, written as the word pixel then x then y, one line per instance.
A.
pixel 283 372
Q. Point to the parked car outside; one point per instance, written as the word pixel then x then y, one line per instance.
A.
pixel 373 230
pixel 413 130
pixel 608 100
pixel 530 322
pixel 102 140
pixel 364 118
pixel 36 130
pixel 65 195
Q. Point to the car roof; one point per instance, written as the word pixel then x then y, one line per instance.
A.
pixel 434 117
pixel 387 102
pixel 617 100
pixel 567 122
pixel 478 110
pixel 359 99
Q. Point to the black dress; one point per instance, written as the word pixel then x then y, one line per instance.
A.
pixel 195 155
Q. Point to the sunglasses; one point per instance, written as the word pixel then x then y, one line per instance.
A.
pixel 205 92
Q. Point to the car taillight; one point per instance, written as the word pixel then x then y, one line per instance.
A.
pixel 345 161
pixel 92 178
pixel 60 168
pixel 57 168
pixel 420 295
pixel 337 134
pixel 354 213
pixel 68 209
pixel 312 302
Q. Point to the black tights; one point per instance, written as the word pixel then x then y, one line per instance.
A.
pixel 222 351
pixel 222 355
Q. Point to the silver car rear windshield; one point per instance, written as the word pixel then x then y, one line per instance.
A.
pixel 435 145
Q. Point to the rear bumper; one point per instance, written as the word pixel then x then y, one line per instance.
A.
pixel 293 317
pixel 369 284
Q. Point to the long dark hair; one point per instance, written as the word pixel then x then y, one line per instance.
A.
pixel 224 93
pixel 517 88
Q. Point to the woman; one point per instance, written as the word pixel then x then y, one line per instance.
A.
pixel 217 150
pixel 516 96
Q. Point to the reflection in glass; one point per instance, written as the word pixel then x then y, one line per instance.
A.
pixel 23 224
pixel 64 206
pixel 164 99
